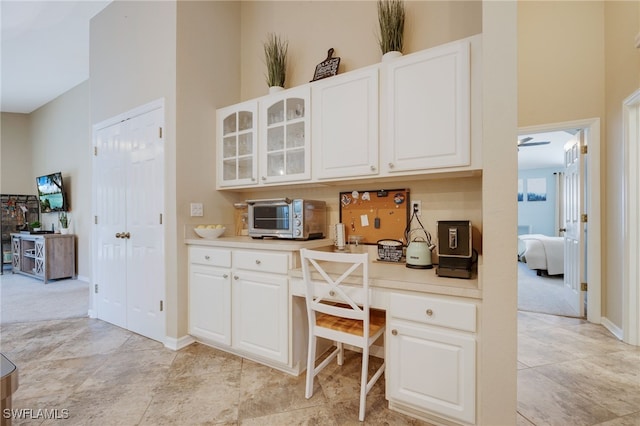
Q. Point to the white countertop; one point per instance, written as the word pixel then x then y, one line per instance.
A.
pixel 396 276
pixel 387 275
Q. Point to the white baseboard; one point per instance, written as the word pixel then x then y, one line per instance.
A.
pixel 177 344
pixel 614 329
pixel 82 278
pixel 92 313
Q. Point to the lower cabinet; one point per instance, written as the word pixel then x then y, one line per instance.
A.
pixel 239 299
pixel 431 349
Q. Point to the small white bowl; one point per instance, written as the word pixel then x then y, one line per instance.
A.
pixel 209 233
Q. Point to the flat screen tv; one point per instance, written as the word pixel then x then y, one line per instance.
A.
pixel 51 193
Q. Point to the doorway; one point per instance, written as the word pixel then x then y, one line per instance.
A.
pixel 540 214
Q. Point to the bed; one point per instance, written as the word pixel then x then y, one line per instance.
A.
pixel 542 253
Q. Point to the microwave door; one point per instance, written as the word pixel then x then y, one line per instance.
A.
pixel 272 218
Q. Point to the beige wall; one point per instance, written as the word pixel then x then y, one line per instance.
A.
pixel 622 78
pixel 208 77
pixel 61 141
pixel 16 174
pixel 576 60
pixel 350 27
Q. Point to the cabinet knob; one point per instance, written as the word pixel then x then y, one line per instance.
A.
pixel 235 277
pixel 391 165
pixel 429 312
pixel 264 178
pixel 332 293
pixel 394 332
pixel 258 261
pixel 225 275
pixel 373 168
pixel 207 257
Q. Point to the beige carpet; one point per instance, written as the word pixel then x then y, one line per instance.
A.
pixel 541 294
pixel 25 299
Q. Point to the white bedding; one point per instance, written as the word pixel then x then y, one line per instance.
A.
pixel 541 252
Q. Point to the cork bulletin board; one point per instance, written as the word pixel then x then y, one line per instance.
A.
pixel 375 215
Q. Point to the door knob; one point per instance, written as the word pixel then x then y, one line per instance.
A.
pixel 126 235
pixel 562 229
pixel 118 235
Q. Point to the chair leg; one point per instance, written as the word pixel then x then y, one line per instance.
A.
pixel 311 363
pixel 364 379
pixel 340 353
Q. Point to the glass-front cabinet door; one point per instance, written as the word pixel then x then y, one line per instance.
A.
pixel 237 145
pixel 285 130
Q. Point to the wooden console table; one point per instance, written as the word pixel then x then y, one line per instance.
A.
pixel 44 256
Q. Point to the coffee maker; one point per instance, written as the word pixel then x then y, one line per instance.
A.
pixel 455 254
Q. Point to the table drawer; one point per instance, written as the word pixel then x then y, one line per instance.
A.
pixel 210 256
pixel 277 263
pixel 430 310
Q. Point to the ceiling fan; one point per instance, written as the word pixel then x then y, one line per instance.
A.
pixel 527 142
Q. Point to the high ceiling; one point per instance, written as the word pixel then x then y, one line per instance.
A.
pixel 44 50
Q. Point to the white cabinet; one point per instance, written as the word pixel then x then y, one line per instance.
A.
pixel 237 134
pixel 210 294
pixel 285 136
pixel 345 125
pixel 432 355
pixel 426 108
pixel 239 299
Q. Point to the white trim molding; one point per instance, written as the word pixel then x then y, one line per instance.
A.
pixel 594 253
pixel 177 344
pixel 631 273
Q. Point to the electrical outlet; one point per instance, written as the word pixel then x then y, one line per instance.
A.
pixel 416 206
pixel 197 209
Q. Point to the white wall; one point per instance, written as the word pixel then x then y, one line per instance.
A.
pixel 540 215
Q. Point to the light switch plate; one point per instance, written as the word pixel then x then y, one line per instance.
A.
pixel 197 209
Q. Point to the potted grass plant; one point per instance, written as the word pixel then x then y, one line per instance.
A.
pixel 391 14
pixel 64 223
pixel 275 55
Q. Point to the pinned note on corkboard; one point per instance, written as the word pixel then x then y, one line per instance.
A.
pixel 375 215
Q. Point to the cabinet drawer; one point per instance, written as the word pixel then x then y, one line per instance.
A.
pixel 429 310
pixel 210 256
pixel 277 263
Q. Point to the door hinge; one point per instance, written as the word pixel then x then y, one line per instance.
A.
pixel 95 151
pixel 95 220
pixel 160 132
pixel 95 288
pixel 160 218
pixel 583 286
pixel 161 306
pixel 584 149
pixel 584 218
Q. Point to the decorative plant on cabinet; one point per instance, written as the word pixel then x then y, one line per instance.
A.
pixel 391 14
pixel 275 55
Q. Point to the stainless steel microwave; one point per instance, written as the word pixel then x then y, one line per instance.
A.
pixel 297 219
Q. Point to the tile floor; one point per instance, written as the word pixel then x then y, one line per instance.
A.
pixel 570 373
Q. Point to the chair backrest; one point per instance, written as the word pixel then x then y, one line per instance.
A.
pixel 337 284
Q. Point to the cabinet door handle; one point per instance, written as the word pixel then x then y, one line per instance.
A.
pixel 429 312
pixel 394 332
pixel 258 261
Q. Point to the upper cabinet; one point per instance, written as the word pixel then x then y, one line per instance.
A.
pixel 414 115
pixel 426 108
pixel 284 131
pixel 237 129
pixel 345 125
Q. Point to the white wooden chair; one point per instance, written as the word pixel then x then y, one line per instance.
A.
pixel 340 312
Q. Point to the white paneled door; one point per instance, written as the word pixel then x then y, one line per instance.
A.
pixel 129 206
pixel 574 225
